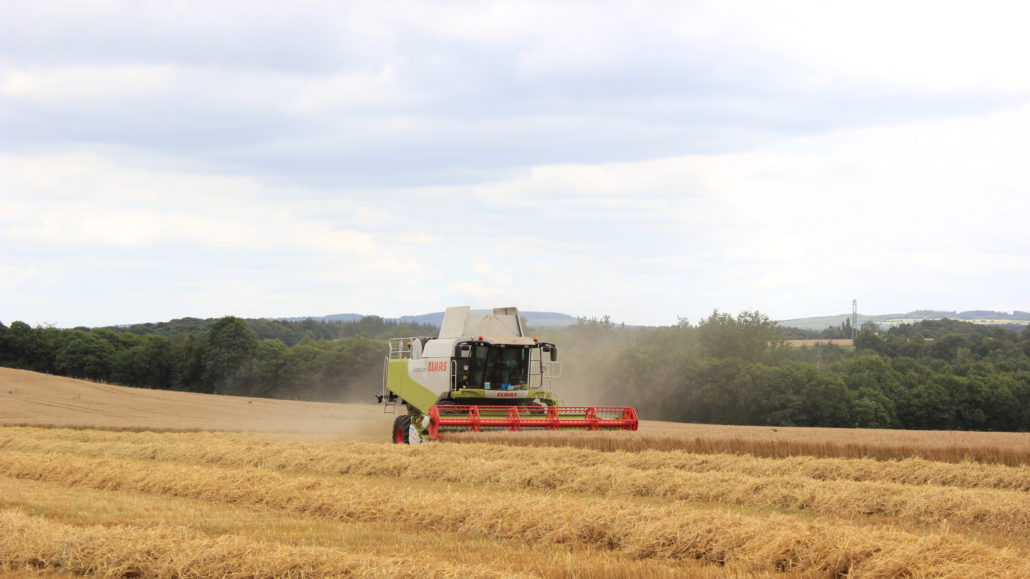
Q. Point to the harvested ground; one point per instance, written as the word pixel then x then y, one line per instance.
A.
pixel 813 342
pixel 31 398
pixel 169 484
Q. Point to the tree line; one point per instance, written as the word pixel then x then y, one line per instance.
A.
pixel 935 374
pixel 223 356
pixel 289 332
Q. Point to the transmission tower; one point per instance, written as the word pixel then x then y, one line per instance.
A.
pixel 854 319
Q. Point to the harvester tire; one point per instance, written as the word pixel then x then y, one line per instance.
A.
pixel 400 430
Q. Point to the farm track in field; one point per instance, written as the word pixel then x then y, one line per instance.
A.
pixel 647 506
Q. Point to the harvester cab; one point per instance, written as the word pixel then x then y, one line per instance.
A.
pixel 483 373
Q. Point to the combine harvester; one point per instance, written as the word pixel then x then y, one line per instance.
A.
pixel 482 373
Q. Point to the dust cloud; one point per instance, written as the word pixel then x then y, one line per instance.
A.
pixel 589 357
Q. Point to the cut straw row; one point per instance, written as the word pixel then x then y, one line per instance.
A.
pixel 174 446
pixel 993 509
pixel 761 543
pixel 35 543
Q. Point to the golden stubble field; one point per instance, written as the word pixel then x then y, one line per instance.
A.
pixel 137 483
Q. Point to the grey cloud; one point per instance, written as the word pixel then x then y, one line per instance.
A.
pixel 231 35
pixel 468 108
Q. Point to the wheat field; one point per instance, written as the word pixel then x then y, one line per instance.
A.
pixel 668 501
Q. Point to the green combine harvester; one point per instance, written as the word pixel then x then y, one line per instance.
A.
pixel 482 373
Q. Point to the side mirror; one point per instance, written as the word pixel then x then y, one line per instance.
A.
pixel 465 350
pixel 553 350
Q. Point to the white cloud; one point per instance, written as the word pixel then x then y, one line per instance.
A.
pixel 84 83
pixel 453 88
pixel 340 92
pixel 86 200
pixel 940 46
pixel 928 206
pixel 642 160
pixel 11 277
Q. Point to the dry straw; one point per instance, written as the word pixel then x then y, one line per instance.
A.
pixel 178 446
pixel 882 445
pixel 824 486
pixel 174 445
pixel 35 543
pixel 761 542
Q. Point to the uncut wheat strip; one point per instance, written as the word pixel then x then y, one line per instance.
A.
pixel 641 530
pixel 1002 510
pixel 35 542
pixel 906 471
pixel 215 445
pixel 987 453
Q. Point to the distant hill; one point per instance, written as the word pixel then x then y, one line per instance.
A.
pixel 1015 320
pixel 533 319
pixel 331 318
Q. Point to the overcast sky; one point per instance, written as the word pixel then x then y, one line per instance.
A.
pixel 645 160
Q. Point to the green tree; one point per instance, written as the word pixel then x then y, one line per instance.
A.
pixel 148 363
pixel 932 407
pixel 84 355
pixel 264 376
pixel 300 372
pixel 750 336
pixel 27 348
pixel 870 340
pixel 872 409
pixel 187 355
pixel 230 347
pixel 827 401
pixel 946 347
pixel 721 390
pixel 777 398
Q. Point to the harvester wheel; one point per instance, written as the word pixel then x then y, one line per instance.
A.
pixel 400 430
